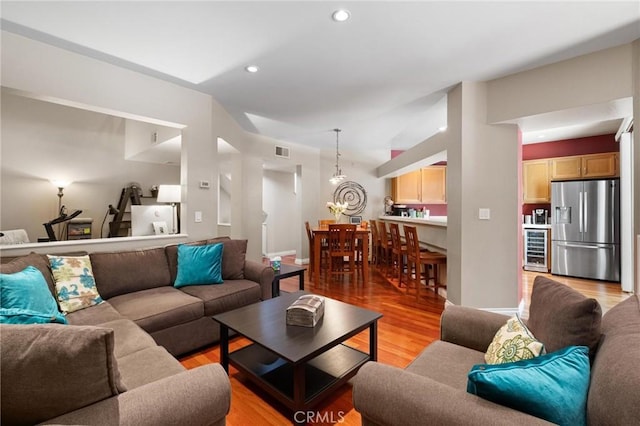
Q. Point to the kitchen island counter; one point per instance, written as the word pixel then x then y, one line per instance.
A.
pixel 432 232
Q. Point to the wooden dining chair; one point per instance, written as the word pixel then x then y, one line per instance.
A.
pixel 416 260
pixel 311 248
pixel 398 253
pixel 324 223
pixel 342 244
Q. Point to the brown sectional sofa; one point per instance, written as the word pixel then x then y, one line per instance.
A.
pixel 433 388
pixel 114 363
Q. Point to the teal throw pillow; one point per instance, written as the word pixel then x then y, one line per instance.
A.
pixel 25 299
pixel 552 387
pixel 199 265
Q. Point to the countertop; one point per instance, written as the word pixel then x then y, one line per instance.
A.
pixel 432 220
pixel 535 226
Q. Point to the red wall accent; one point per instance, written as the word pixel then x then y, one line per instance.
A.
pixel 569 147
pixel 434 209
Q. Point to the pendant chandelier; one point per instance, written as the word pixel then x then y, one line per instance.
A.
pixel 337 176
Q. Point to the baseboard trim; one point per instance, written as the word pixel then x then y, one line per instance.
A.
pixel 503 311
pixel 281 253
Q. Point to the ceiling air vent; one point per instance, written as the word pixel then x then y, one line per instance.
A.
pixel 282 151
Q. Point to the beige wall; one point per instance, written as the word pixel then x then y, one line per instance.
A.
pixel 636 157
pixel 586 80
pixel 482 170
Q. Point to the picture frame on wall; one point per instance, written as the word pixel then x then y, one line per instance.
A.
pixel 160 228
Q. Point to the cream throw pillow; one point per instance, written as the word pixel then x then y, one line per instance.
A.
pixel 75 285
pixel 513 342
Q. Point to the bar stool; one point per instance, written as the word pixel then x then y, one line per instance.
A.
pixel 398 253
pixel 375 243
pixel 385 244
pixel 417 259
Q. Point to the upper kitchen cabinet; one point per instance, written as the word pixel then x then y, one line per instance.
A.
pixel 566 167
pixel 600 165
pixel 585 166
pixel 535 181
pixel 425 186
pixel 407 188
pixel 434 185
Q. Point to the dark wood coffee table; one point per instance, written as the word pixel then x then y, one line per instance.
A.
pixel 298 366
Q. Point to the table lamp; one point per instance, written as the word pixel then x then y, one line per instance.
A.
pixel 170 194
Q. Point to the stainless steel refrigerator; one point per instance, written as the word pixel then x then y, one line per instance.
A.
pixel 585 229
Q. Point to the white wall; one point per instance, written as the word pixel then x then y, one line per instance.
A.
pixel 42 141
pixel 279 202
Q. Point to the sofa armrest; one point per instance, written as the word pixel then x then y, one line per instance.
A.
pixel 386 395
pixel 469 327
pixel 260 273
pixel 201 396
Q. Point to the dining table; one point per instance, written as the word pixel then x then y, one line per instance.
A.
pixel 321 234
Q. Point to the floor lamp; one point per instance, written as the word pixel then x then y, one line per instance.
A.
pixel 170 194
pixel 61 185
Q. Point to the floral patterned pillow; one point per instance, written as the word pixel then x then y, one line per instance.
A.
pixel 75 285
pixel 513 342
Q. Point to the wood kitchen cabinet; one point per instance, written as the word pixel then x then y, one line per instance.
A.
pixel 535 181
pixel 407 188
pixel 434 185
pixel 600 165
pixel 425 186
pixel 585 166
pixel 566 167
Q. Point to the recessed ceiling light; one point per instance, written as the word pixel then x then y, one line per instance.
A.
pixel 251 68
pixel 340 15
pixel 442 129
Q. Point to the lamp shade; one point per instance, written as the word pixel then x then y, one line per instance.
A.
pixel 169 194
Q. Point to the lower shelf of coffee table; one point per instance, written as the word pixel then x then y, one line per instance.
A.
pixel 329 369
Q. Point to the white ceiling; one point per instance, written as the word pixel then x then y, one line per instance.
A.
pixel 381 76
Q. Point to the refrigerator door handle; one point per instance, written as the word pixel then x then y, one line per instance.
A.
pixel 583 246
pixel 580 212
pixel 586 212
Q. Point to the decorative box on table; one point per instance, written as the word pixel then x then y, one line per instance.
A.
pixel 306 311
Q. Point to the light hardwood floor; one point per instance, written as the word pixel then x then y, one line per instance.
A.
pixel 408 325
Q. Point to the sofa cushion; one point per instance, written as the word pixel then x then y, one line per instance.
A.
pixel 233 257
pixel 158 308
pixel 25 299
pixel 51 369
pixel 552 387
pixel 199 265
pixel 75 285
pixel 39 261
pixel 124 272
pixel 128 338
pixel 559 316
pixel 513 342
pixel 225 297
pixel 446 363
pixel 147 365
pixel 613 371
pixel 171 252
pixel 95 315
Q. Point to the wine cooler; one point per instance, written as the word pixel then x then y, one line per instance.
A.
pixel 536 250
